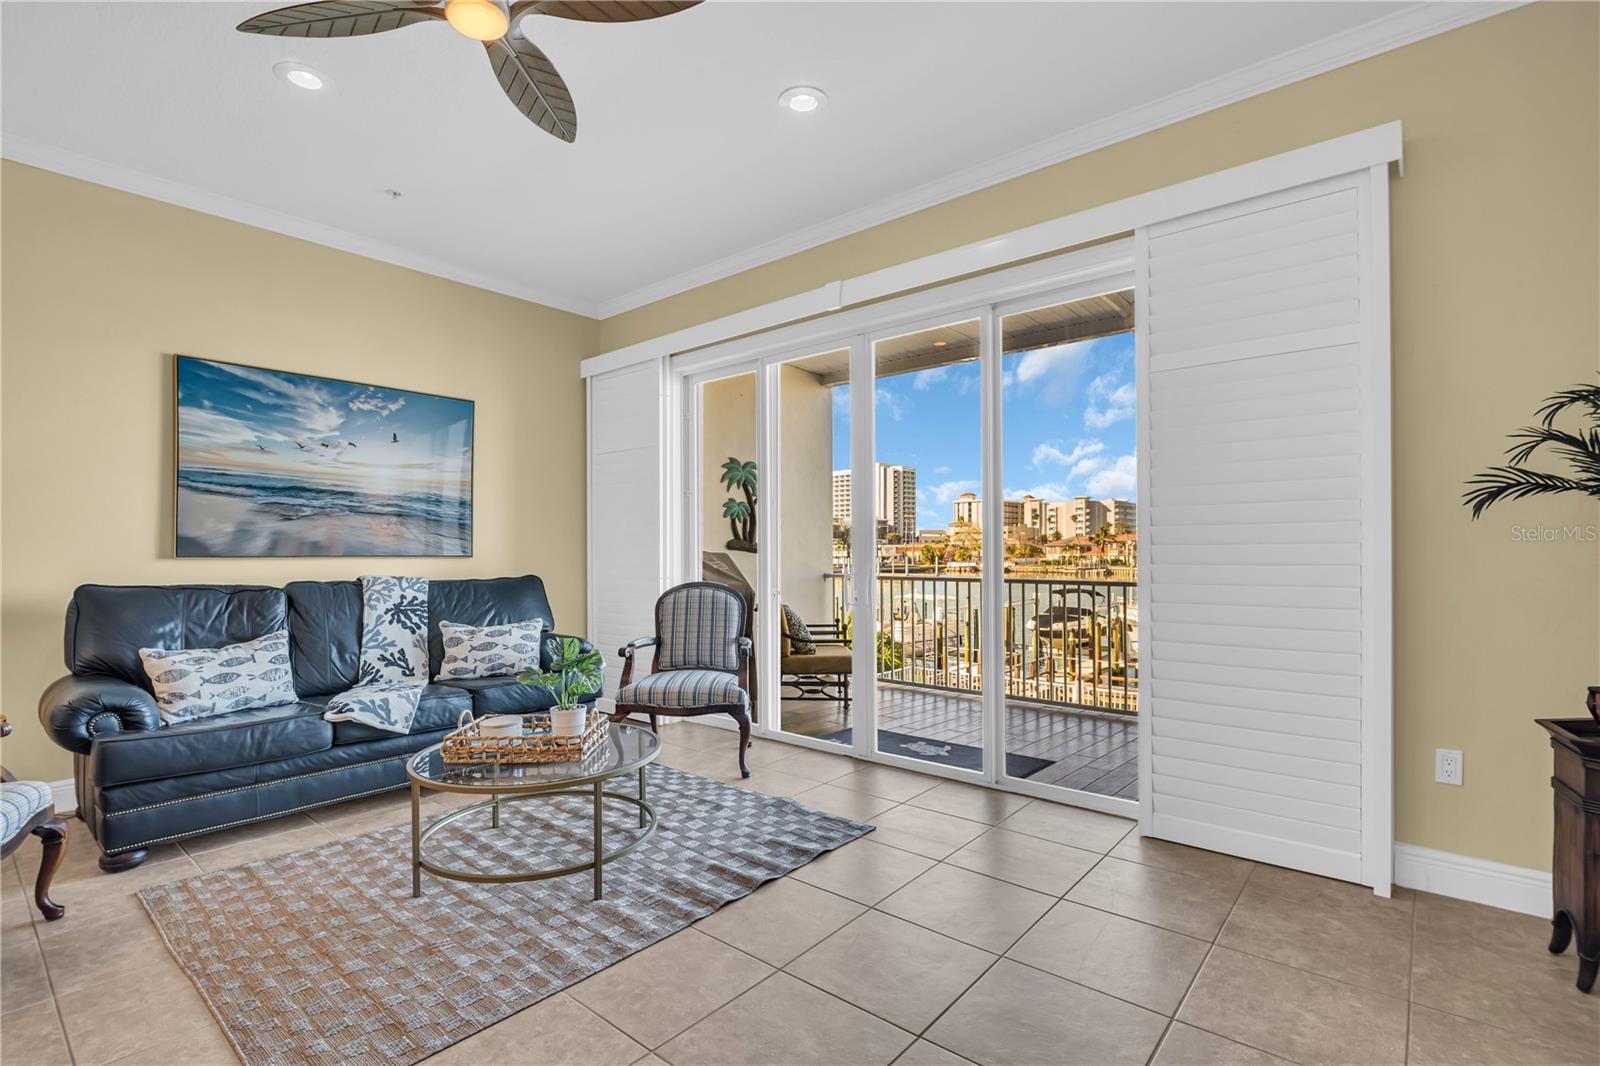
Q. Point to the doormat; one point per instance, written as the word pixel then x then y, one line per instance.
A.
pixel 962 756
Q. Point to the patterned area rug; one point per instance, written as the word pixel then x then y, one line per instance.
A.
pixel 323 956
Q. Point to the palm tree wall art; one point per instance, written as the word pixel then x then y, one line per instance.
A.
pixel 740 475
pixel 1580 448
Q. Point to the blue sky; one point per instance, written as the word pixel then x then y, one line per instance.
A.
pixel 1069 426
pixel 241 419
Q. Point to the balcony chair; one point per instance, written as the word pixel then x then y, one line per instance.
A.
pixel 816 662
pixel 701 663
pixel 26 809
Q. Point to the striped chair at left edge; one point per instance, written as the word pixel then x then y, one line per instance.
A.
pixel 26 809
pixel 701 663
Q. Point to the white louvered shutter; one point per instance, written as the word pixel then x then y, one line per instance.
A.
pixel 626 509
pixel 1263 347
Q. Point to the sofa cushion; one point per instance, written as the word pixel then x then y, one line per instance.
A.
pixel 108 624
pixel 440 708
pixel 324 635
pixel 242 738
pixel 507 695
pixel 487 602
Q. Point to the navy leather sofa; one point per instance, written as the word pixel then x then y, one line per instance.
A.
pixel 140 783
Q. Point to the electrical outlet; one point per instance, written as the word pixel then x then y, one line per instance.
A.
pixel 1447 766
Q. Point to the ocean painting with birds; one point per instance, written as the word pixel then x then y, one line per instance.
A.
pixel 278 464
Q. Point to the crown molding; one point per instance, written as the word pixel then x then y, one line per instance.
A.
pixel 48 157
pixel 1392 31
pixel 1381 35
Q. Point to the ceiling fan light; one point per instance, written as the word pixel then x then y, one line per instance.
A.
pixel 482 20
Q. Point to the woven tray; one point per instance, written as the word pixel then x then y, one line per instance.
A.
pixel 535 745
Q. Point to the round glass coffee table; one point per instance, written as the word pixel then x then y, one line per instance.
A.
pixel 626 749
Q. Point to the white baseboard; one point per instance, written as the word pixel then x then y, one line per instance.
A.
pixel 1512 888
pixel 64 796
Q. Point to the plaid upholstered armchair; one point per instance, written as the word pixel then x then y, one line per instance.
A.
pixel 701 664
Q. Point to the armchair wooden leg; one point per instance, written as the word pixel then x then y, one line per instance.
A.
pixel 743 718
pixel 53 835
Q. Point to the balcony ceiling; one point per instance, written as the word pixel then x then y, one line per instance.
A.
pixel 1095 316
pixel 685 167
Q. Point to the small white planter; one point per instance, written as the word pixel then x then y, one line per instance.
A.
pixel 500 725
pixel 569 723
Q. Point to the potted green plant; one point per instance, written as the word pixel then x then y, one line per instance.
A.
pixel 573 674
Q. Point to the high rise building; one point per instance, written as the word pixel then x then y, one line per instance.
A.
pixel 968 508
pixel 841 498
pixel 1124 513
pixel 1058 520
pixel 896 499
pixel 1033 513
pixel 1087 516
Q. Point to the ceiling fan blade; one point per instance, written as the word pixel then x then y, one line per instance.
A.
pixel 341 18
pixel 531 82
pixel 602 10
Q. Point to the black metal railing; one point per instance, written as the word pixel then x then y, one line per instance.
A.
pixel 1068 641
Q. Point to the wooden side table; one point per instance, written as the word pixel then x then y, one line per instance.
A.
pixel 1576 859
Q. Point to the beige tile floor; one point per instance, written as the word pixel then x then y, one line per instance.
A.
pixel 971 927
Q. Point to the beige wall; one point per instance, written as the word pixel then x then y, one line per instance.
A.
pixel 728 428
pixel 1495 284
pixel 100 288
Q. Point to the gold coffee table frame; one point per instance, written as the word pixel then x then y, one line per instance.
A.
pixel 627 749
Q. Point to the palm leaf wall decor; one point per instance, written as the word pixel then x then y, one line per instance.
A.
pixel 1579 448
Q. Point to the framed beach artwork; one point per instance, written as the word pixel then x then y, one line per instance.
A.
pixel 271 463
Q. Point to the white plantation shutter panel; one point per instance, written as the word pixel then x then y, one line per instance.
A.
pixel 626 508
pixel 1265 664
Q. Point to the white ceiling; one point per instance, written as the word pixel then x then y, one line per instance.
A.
pixel 685 168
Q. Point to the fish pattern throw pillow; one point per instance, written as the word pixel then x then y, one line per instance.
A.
pixel 202 682
pixel 489 651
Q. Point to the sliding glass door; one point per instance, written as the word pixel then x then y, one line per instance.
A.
pixel 1070 615
pixel 936 524
pixel 926 475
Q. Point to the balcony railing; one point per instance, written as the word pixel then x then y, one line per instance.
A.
pixel 1068 641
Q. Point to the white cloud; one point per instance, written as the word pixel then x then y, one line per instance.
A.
pixel 923 380
pixel 891 405
pixel 1050 452
pixel 1110 401
pixel 1050 374
pixel 372 400
pixel 303 402
pixel 1119 479
pixel 945 491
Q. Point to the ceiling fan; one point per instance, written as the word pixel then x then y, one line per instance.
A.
pixel 524 72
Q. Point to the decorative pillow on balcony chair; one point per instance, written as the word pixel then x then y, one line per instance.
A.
pixel 202 682
pixel 800 640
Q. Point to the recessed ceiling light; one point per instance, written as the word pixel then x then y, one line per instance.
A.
pixel 803 98
pixel 300 76
pixel 940 344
